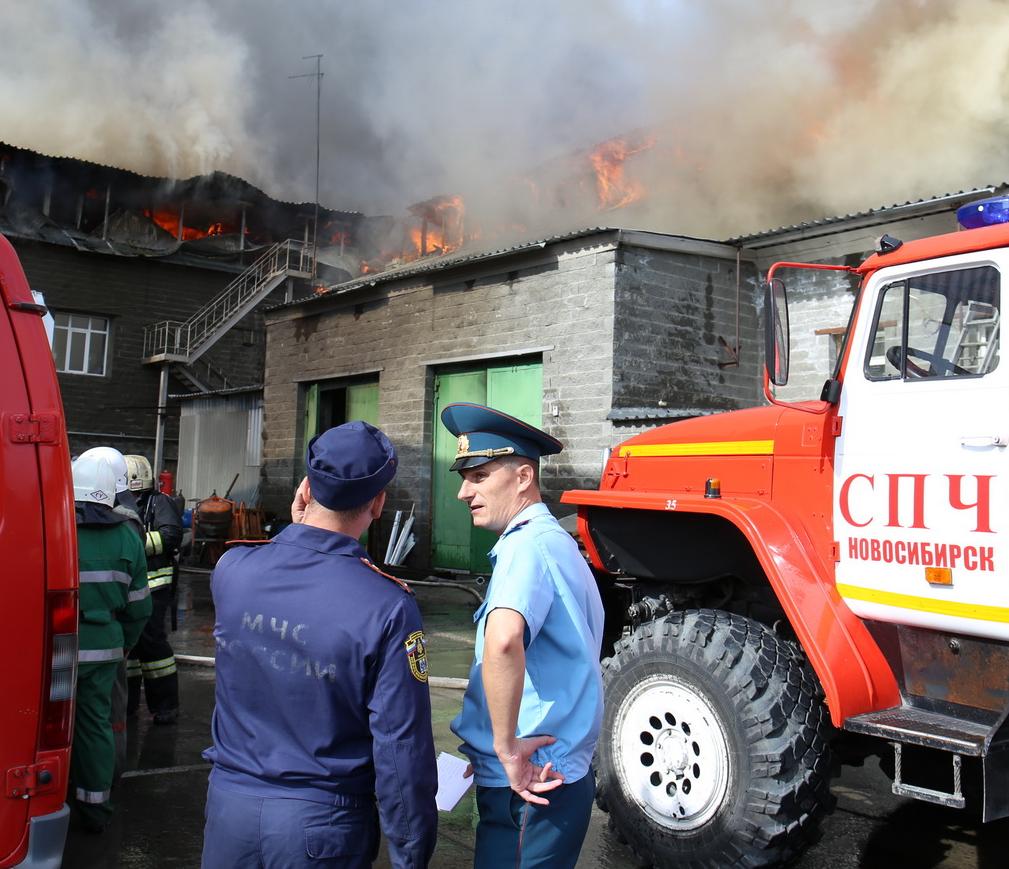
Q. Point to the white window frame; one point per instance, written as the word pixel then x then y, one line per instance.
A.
pixel 96 326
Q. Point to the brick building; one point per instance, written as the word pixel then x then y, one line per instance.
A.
pixel 114 252
pixel 111 397
pixel 592 335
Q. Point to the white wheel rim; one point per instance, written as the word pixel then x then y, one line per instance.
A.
pixel 671 753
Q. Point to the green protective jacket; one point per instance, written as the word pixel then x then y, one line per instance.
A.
pixel 115 600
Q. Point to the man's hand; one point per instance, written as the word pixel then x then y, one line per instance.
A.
pixel 526 778
pixel 300 502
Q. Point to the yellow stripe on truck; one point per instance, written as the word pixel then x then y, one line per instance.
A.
pixel 706 448
pixel 980 612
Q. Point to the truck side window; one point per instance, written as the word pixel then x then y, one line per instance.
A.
pixel 942 324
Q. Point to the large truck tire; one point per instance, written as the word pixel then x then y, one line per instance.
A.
pixel 713 748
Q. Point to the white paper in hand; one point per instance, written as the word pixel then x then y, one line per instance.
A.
pixel 451 783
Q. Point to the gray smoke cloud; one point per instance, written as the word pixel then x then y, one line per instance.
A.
pixel 761 113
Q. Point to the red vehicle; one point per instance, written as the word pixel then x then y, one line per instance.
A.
pixel 817 581
pixel 38 583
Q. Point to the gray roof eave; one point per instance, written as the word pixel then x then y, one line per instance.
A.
pixel 860 220
pixel 439 264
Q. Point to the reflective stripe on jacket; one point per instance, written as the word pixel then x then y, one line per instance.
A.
pixel 115 601
pixel 160 578
pixel 162 537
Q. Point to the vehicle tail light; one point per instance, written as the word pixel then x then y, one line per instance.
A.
pixel 61 670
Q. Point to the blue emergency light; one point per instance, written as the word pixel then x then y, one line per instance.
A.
pixel 984 212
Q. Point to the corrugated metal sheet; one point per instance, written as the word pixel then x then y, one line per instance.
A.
pixel 254 439
pixel 436 263
pixel 215 184
pixel 219 437
pixel 883 211
pixel 231 390
pixel 224 400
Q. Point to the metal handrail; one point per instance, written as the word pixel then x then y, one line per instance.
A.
pixel 183 338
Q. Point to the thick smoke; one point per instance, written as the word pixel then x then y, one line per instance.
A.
pixel 162 93
pixel 762 113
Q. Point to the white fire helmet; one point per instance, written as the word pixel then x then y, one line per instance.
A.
pixel 114 458
pixel 139 476
pixel 94 480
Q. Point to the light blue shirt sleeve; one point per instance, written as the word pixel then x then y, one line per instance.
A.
pixel 522 582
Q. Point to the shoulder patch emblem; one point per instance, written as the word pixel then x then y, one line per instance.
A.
pixel 416 654
pixel 399 582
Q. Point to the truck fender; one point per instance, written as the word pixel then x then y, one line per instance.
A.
pixel 849 664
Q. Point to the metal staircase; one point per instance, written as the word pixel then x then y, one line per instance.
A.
pixel 203 376
pixel 183 343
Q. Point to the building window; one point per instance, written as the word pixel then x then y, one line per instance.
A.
pixel 80 343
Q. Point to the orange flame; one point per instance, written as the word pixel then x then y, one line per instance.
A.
pixel 441 227
pixel 169 221
pixel 613 189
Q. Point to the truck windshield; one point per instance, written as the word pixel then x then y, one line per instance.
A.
pixel 942 324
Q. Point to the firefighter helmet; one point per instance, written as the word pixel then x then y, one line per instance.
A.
pixel 115 459
pixel 140 477
pixel 94 480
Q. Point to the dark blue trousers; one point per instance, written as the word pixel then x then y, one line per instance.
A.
pixel 514 833
pixel 246 832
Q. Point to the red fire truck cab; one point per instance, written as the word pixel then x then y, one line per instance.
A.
pixel 815 579
pixel 38 584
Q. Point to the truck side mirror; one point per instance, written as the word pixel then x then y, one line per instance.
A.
pixel 776 341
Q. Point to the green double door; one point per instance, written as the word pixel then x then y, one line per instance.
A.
pixel 326 406
pixel 517 389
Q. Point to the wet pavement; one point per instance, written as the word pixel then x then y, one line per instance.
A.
pixel 159 803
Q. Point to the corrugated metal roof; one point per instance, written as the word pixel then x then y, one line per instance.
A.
pixel 436 263
pixel 213 179
pixel 883 211
pixel 231 390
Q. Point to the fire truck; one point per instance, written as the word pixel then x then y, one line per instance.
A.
pixel 38 583
pixel 804 583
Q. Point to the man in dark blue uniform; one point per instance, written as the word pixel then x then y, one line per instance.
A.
pixel 322 698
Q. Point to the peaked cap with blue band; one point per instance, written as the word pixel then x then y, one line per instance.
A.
pixel 486 434
pixel 349 465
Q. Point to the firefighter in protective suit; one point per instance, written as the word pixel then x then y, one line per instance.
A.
pixel 153 659
pixel 115 603
pixel 126 506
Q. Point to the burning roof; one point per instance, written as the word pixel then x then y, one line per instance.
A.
pixel 644 238
pixel 215 217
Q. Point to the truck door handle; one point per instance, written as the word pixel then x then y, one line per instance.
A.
pixel 984 441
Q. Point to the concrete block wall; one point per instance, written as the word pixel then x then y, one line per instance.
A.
pixel 556 304
pixel 673 311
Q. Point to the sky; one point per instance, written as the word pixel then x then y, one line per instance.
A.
pixel 752 115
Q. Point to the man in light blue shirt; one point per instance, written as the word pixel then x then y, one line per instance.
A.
pixel 531 714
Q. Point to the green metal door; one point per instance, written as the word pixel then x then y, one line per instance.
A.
pixel 518 390
pixel 356 401
pixel 311 413
pixel 362 402
pixel 515 389
pixel 451 527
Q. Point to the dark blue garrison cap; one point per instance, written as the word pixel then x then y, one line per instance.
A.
pixel 486 434
pixel 349 465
